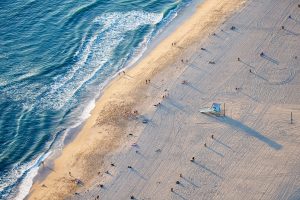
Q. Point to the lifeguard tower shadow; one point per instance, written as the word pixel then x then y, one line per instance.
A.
pixel 216 112
pixel 249 131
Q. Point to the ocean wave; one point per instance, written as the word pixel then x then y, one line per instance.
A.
pixel 96 53
pixel 19 172
pixel 32 169
pixel 94 62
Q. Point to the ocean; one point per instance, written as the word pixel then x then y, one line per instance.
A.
pixel 55 59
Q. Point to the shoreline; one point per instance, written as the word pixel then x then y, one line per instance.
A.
pixel 108 93
pixel 51 155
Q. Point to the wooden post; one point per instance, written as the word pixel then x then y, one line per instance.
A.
pixel 291 117
pixel 224 109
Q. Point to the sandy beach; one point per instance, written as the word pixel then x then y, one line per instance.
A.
pixel 146 127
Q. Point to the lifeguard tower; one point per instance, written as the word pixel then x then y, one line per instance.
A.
pixel 215 109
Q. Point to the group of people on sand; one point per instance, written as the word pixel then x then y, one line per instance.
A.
pixel 130 167
pixel 192 160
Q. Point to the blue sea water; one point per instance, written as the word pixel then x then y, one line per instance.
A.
pixel 55 57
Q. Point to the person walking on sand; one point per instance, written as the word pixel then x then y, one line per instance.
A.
pixel 71 175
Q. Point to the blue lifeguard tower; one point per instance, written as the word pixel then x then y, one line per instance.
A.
pixel 216 109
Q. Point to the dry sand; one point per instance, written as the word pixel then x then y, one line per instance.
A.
pixel 255 152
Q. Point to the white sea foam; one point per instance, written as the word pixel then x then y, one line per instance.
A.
pixel 95 53
pixel 28 180
pixel 93 56
pixel 18 171
pixel 87 110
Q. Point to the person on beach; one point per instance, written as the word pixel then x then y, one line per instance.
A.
pixel 193 159
pixel 172 190
pixel 204 144
pixel 135 112
pixel 212 136
pixel 134 144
